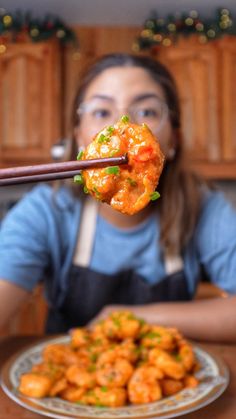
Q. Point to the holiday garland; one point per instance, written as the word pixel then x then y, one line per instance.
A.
pixel 164 32
pixel 19 27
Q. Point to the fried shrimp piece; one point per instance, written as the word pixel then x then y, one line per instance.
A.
pixel 72 393
pixel 103 396
pixel 60 354
pixel 121 325
pixel 127 350
pixel 127 188
pixel 187 356
pixel 54 371
pixel 115 374
pixel 159 337
pixel 170 386
pixel 80 377
pixel 42 378
pixel 58 387
pixel 167 363
pixel 79 337
pixel 190 381
pixel 35 385
pixel 144 386
pixel 87 356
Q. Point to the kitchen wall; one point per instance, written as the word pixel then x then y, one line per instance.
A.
pixel 113 12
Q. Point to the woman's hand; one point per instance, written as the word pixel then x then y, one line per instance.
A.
pixel 11 298
pixel 212 320
pixel 104 313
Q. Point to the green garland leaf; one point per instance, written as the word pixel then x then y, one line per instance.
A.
pixel 20 26
pixel 158 31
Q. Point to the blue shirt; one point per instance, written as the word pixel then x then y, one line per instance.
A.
pixel 38 238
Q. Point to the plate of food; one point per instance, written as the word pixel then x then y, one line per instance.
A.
pixel 121 367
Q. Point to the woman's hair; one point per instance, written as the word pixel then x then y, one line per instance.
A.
pixel 180 190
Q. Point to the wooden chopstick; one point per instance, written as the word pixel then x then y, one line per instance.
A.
pixel 38 178
pixel 53 171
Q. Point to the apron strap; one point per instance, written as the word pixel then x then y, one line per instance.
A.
pixel 84 246
pixel 173 264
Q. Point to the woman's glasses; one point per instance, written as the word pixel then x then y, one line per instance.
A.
pixel 100 113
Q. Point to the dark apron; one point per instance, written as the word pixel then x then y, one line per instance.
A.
pixel 89 291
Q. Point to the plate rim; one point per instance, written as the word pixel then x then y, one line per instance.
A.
pixel 27 403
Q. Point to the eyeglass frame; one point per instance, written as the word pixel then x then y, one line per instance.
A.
pixel 128 110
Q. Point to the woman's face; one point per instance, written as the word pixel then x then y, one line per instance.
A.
pixel 124 91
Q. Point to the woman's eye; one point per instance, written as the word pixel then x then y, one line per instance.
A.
pixel 149 113
pixel 101 113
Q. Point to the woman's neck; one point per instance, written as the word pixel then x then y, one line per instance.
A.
pixel 120 220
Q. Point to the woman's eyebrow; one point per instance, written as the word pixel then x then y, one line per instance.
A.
pixel 147 96
pixel 102 97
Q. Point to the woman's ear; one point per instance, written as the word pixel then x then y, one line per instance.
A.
pixel 77 134
pixel 171 153
pixel 173 145
pixel 78 139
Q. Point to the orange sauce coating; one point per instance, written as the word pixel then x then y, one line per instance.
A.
pixel 127 188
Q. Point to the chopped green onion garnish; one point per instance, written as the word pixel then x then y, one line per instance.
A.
pixel 154 196
pixel 132 182
pixel 103 139
pixel 125 118
pixel 178 357
pixel 153 335
pixel 96 191
pixel 79 157
pixel 79 179
pixel 104 389
pixel 91 368
pixel 86 189
pixel 110 129
pixel 112 170
pixel 114 152
pixel 93 357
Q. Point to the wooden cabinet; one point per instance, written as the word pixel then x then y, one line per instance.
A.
pixel 30 95
pixel 30 102
pixel 227 68
pixel 205 76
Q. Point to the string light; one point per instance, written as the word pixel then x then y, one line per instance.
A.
pixel 7 20
pixel 60 33
pixel 18 26
pixel 159 31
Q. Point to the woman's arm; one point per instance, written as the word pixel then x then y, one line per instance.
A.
pixel 11 297
pixel 210 319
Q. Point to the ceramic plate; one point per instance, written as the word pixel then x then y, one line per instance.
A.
pixel 213 375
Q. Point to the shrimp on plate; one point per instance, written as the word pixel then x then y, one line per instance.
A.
pixel 144 386
pixel 119 361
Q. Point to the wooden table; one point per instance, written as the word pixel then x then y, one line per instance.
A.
pixel 222 408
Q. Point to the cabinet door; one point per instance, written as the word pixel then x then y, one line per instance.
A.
pixel 194 68
pixel 29 102
pixel 228 97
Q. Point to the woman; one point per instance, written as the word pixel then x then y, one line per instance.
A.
pixel 93 258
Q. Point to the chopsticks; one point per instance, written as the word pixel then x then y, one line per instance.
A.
pixel 54 171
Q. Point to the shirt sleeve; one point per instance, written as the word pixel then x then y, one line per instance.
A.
pixel 24 253
pixel 216 241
